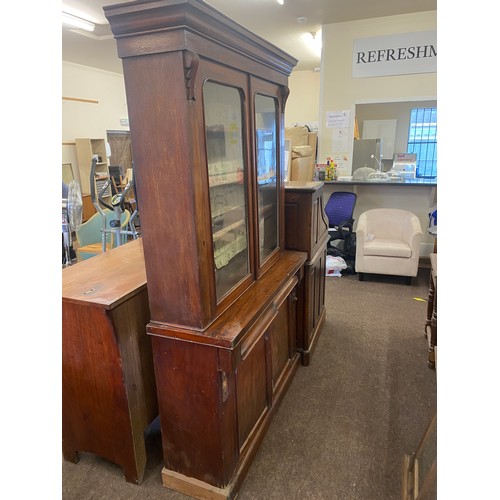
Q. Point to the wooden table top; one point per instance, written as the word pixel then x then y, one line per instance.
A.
pixel 108 279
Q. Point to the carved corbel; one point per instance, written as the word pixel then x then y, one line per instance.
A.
pixel 191 63
pixel 285 92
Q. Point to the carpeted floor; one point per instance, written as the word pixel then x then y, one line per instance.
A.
pixel 347 419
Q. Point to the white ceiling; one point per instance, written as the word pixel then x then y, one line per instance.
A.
pixel 276 23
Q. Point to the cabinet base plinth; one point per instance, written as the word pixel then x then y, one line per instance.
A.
pixel 194 487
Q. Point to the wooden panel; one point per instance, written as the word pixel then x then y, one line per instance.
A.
pixel 189 394
pixel 314 305
pixel 88 207
pixel 129 324
pixel 306 225
pixel 94 399
pixel 317 231
pixel 293 234
pixel 178 279
pixel 280 343
pixel 251 389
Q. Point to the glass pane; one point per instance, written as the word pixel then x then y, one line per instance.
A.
pixel 67 173
pixel 267 141
pixel 422 140
pixel 226 170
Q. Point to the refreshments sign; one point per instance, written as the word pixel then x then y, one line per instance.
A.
pixel 401 54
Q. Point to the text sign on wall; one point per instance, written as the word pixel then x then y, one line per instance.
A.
pixel 401 54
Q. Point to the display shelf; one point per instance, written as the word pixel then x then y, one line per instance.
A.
pixel 226 178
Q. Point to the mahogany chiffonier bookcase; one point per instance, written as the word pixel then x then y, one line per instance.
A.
pixel 108 381
pixel 306 229
pixel 206 104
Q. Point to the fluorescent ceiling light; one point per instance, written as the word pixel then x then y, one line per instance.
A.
pixel 281 2
pixel 77 22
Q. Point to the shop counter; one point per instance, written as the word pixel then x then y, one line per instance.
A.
pixel 418 196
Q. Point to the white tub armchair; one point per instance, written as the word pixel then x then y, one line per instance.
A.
pixel 388 242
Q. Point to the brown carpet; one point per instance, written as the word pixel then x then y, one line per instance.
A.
pixel 347 419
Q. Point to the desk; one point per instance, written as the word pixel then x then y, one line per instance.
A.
pixel 108 383
pixel 431 321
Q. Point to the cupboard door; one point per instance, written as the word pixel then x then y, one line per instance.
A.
pixel 223 113
pixel 251 390
pixel 268 355
pixel 282 338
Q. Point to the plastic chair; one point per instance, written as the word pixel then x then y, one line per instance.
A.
pixel 339 209
pixel 89 236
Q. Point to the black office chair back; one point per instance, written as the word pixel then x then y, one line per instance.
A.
pixel 340 207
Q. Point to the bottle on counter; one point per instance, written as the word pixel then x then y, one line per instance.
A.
pixel 331 173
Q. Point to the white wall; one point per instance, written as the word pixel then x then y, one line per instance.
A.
pixel 83 119
pixel 339 91
pixel 302 105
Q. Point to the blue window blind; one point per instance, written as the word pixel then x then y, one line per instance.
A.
pixel 422 140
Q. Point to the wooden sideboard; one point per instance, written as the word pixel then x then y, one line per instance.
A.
pixel 306 229
pixel 219 389
pixel 108 383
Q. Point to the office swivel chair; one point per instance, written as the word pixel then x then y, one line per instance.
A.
pixel 339 209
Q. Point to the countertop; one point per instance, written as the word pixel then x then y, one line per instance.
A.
pixel 407 182
pixel 303 185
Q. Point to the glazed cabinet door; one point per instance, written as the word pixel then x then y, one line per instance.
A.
pixel 267 118
pixel 223 107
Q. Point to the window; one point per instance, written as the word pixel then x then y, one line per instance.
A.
pixel 422 140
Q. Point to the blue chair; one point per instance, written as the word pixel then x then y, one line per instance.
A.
pixel 339 209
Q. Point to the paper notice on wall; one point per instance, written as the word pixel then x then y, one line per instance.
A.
pixel 338 119
pixel 341 163
pixel 340 140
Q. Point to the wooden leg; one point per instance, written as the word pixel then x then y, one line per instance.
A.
pixel 433 340
pixel 408 280
pixel 133 460
pixel 69 453
pixel 361 276
pixel 430 305
pixel 132 475
pixel 431 323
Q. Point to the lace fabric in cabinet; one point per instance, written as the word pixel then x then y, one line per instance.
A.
pixel 228 184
